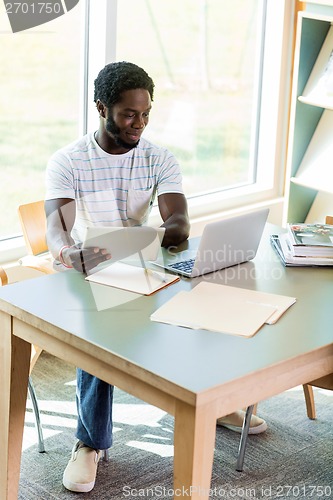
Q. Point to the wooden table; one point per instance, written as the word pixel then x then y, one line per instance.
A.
pixel 197 376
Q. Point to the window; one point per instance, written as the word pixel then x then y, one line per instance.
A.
pixel 202 57
pixel 222 84
pixel 222 74
pixel 39 106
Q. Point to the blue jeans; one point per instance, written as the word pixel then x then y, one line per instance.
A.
pixel 94 407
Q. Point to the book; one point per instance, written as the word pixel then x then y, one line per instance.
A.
pixel 132 278
pixel 311 240
pixel 283 248
pixel 223 309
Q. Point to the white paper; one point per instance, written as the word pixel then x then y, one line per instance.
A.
pixel 132 278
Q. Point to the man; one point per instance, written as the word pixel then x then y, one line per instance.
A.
pixel 111 178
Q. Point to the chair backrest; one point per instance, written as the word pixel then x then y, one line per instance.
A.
pixel 12 274
pixel 3 277
pixel 33 221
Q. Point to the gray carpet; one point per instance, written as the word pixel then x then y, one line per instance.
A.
pixel 294 452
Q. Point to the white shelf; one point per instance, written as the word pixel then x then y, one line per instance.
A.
pixel 322 206
pixel 315 170
pixel 309 172
pixel 319 87
pixel 321 102
pixel 321 2
pixel 320 185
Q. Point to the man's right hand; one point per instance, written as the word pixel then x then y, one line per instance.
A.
pixel 83 259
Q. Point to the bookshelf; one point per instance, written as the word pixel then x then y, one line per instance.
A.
pixel 309 172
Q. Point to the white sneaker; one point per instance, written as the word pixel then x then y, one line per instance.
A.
pixel 234 422
pixel 80 473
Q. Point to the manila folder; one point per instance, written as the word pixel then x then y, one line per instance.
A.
pixel 214 313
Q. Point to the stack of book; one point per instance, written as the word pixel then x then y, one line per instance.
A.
pixel 305 245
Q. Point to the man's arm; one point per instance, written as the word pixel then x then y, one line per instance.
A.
pixel 60 215
pixel 173 210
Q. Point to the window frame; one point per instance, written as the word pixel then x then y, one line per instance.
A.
pixel 12 247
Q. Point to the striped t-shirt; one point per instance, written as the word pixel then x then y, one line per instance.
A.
pixel 111 190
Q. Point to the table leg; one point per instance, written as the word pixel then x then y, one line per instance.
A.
pixel 194 441
pixel 14 373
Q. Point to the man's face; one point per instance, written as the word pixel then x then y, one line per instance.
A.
pixel 127 119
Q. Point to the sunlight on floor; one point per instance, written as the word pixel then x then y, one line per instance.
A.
pixel 72 382
pixel 163 450
pixel 326 392
pixel 53 406
pixel 56 416
pixel 51 420
pixel 137 414
pixel 59 415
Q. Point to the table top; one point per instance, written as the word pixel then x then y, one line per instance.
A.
pixel 195 360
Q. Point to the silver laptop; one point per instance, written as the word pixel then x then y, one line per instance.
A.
pixel 223 244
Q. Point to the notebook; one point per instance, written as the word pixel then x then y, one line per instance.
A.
pixel 132 278
pixel 223 244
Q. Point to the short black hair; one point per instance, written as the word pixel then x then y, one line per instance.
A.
pixel 117 77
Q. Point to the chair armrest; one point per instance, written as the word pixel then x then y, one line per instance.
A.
pixel 39 263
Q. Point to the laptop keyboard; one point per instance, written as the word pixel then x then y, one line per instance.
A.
pixel 185 265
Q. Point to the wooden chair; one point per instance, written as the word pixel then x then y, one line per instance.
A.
pixel 323 382
pixel 33 222
pixel 11 275
pixel 36 263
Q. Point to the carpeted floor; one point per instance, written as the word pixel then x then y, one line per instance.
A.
pixel 292 459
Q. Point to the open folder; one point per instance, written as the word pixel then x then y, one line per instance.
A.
pixel 132 278
pixel 224 309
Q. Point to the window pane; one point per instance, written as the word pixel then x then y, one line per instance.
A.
pixel 39 107
pixel 202 57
